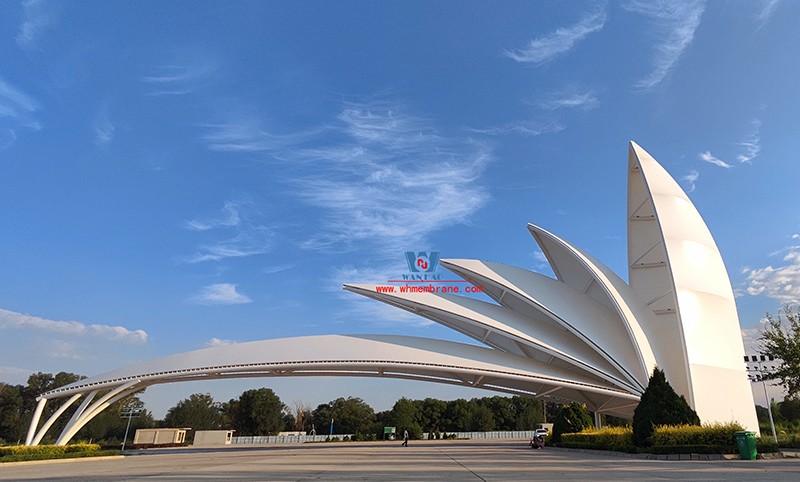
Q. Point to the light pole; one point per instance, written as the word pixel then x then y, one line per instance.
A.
pixel 762 372
pixel 133 409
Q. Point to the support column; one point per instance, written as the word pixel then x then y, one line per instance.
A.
pixel 53 418
pixel 598 423
pixel 37 414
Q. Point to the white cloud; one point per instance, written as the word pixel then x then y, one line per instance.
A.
pixel 571 100
pixel 675 22
pixel 229 216
pixel 12 100
pixel 768 8
pixel 752 143
pixel 547 47
pixel 13 320
pixel 385 176
pixel 243 234
pixel 525 129
pixel 104 130
pixel 38 16
pixel 179 78
pixel 691 180
pixel 708 157
pixel 219 342
pixel 220 294
pixel 14 375
pixel 16 108
pixel 61 349
pixel 780 283
pixel 277 268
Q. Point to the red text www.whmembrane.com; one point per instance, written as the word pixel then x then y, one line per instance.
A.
pixel 429 288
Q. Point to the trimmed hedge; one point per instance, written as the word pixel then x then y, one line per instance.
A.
pixel 681 439
pixel 791 441
pixel 715 434
pixel 612 438
pixel 48 450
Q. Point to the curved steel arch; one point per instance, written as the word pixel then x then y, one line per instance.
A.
pixel 390 356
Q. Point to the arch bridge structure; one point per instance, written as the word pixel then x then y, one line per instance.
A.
pixel 585 335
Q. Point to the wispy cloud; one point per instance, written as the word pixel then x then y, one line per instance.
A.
pixel 277 268
pixel 178 79
pixel 675 22
pixel 691 180
pixel 13 320
pixel 752 143
pixel 220 342
pixel 781 283
pixel 766 11
pixel 244 133
pixel 16 112
pixel 708 157
pixel 38 16
pixel 220 294
pixel 104 129
pixel 547 47
pixel 525 129
pixel 240 228
pixel 229 216
pixel 14 375
pixel 392 179
pixel 585 100
pixel 12 100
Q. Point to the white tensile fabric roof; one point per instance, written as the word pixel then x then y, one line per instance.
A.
pixel 586 335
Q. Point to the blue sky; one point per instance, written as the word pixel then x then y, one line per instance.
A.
pixel 175 175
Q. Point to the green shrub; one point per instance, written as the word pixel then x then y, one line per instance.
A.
pixel 660 405
pixel 37 452
pixel 571 418
pixel 766 445
pixel 611 438
pixel 691 449
pixel 715 434
pixel 789 440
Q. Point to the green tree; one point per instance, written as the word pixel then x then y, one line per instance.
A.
pixel 570 419
pixel 458 415
pixel 783 342
pixel 790 409
pixel 198 412
pixel 482 419
pixel 406 416
pixel 11 410
pixel 503 413
pixel 350 415
pixel 528 412
pixel 660 405
pixel 431 414
pixel 257 412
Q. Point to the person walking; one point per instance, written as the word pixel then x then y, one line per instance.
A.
pixel 405 437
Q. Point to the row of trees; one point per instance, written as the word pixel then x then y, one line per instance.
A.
pixel 260 412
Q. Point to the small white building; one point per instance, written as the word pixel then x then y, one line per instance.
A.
pixel 160 436
pixel 213 437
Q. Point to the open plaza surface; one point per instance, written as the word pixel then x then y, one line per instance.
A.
pixel 422 460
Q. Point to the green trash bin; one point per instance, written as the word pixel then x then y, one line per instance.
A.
pixel 746 443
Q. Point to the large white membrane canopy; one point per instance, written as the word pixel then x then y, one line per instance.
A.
pixel 585 335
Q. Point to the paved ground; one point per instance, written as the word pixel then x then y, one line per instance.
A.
pixel 421 461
